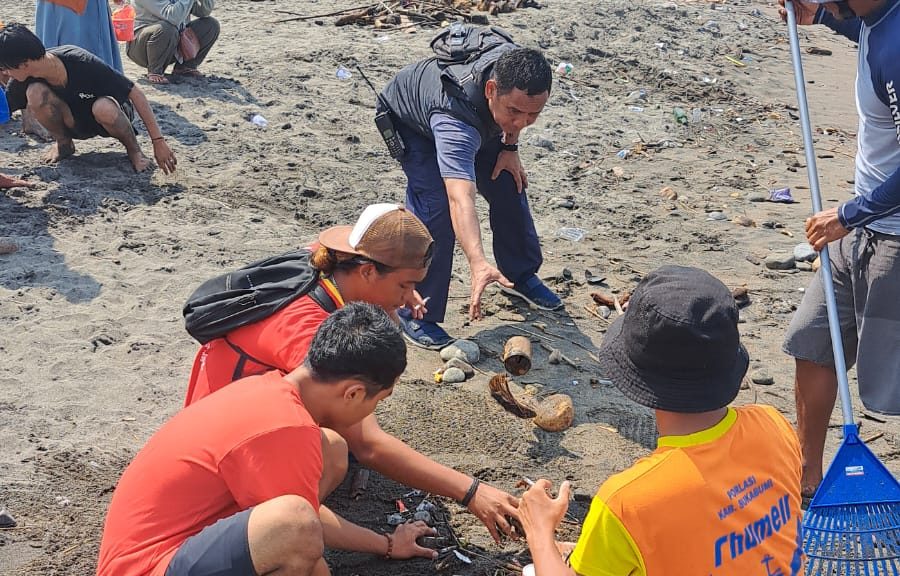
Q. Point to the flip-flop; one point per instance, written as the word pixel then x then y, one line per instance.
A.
pixel 157 79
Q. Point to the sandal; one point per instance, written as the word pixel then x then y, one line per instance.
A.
pixel 157 79
pixel 192 72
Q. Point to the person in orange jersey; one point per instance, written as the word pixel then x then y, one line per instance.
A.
pixel 721 493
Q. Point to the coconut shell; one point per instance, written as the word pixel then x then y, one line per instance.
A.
pixel 555 413
pixel 499 386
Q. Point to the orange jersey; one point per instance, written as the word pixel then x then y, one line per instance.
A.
pixel 722 501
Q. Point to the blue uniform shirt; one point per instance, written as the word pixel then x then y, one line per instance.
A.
pixel 877 201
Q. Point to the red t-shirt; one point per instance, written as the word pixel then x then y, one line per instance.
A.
pixel 251 442
pixel 277 342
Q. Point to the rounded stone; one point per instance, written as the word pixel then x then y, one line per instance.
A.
pixel 468 349
pixel 780 261
pixel 762 377
pixel 453 376
pixel 462 365
pixel 804 252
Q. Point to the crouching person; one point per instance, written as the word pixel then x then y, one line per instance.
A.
pixel 75 96
pixel 232 485
pixel 721 493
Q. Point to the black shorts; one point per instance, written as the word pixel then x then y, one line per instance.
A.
pixel 222 549
pixel 86 126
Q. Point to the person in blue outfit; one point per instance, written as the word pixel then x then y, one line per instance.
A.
pixel 461 139
pixel 83 23
pixel 863 236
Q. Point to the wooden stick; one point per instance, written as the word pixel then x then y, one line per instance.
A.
pixel 326 15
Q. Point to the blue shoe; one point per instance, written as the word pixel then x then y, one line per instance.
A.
pixel 535 293
pixel 424 334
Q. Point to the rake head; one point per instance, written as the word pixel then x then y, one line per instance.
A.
pixel 852 526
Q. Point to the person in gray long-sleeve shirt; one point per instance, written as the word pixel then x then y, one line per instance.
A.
pixel 158 27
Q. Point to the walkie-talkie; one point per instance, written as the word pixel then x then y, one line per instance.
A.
pixel 385 124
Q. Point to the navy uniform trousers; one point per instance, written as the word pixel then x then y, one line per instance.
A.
pixel 517 250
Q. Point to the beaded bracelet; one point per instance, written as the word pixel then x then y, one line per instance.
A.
pixel 390 539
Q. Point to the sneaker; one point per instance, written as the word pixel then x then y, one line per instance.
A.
pixel 535 293
pixel 424 334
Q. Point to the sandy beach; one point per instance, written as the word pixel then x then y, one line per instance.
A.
pixel 95 356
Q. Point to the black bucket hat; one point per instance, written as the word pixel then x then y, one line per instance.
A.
pixel 677 347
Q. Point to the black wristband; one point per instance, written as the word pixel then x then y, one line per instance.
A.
pixel 510 147
pixel 471 493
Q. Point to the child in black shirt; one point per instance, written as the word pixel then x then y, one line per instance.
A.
pixel 74 95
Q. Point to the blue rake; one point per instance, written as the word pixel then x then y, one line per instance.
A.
pixel 853 522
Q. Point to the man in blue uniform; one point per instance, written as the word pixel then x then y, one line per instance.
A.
pixel 863 234
pixel 461 125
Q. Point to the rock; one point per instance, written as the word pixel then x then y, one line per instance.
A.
pixel 6 520
pixel 541 142
pixel 805 266
pixel 716 215
pixel 508 316
pixel 604 311
pixel 460 364
pixel 804 252
pixel 780 261
pixel 7 247
pixel 741 296
pixel 453 376
pixel 566 203
pixel 463 349
pixel 753 259
pixel 762 377
pixel 757 197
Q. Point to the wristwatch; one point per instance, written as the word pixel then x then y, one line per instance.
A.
pixel 510 147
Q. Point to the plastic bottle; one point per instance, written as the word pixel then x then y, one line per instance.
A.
pixel 4 107
pixel 123 23
pixel 681 116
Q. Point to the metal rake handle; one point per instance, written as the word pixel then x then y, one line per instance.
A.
pixel 833 322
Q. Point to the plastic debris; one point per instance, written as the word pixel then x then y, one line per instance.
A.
pixel 258 120
pixel 564 68
pixel 782 195
pixel 573 234
pixel 342 73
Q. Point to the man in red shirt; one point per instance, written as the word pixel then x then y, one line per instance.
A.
pixel 230 485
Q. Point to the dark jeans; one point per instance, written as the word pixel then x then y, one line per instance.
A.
pixel 516 246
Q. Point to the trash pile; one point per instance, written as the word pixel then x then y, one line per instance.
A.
pixel 453 551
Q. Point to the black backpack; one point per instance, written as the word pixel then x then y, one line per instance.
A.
pixel 252 293
pixel 462 43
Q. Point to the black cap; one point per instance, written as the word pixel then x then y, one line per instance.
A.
pixel 677 347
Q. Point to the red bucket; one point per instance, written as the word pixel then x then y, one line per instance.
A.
pixel 123 23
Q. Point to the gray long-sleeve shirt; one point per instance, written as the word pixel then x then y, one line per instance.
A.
pixel 175 12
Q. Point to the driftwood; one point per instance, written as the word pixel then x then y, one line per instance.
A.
pixel 399 14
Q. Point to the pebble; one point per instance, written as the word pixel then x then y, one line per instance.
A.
pixel 716 215
pixel 757 197
pixel 780 261
pixel 563 203
pixel 6 520
pixel 460 364
pixel 8 247
pixel 761 377
pixel 453 376
pixel 604 311
pixel 541 142
pixel 753 259
pixel 508 316
pixel 805 267
pixel 804 252
pixel 464 349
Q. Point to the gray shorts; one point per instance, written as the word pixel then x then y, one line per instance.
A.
pixel 222 549
pixel 866 270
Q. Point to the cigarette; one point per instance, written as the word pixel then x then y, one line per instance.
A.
pixel 422 305
pixel 528 481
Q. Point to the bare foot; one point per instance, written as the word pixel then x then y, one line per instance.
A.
pixel 11 182
pixel 139 161
pixel 59 151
